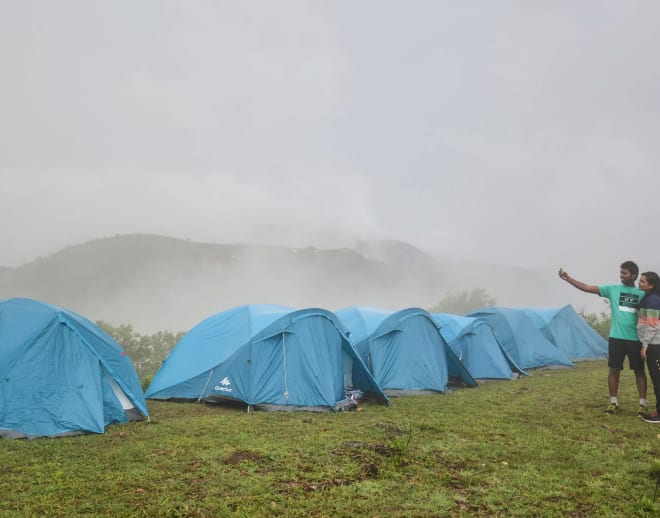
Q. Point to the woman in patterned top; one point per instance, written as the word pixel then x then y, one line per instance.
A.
pixel 648 330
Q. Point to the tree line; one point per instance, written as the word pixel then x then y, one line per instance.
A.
pixel 147 352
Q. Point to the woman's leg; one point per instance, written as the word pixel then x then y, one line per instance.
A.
pixel 653 363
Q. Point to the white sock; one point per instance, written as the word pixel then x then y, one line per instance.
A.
pixel 642 401
pixel 614 400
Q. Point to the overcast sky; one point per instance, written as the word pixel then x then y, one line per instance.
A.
pixel 523 133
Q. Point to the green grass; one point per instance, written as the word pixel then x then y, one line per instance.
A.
pixel 538 446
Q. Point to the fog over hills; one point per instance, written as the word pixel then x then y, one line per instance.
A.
pixel 499 141
pixel 162 283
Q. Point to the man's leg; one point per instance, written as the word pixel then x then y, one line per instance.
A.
pixel 640 378
pixel 616 354
pixel 634 352
pixel 613 381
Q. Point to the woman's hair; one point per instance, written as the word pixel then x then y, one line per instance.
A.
pixel 654 280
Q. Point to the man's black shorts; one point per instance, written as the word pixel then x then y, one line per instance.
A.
pixel 618 350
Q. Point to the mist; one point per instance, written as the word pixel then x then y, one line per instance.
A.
pixel 513 134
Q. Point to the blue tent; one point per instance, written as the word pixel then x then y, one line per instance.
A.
pixel 476 346
pixel 403 349
pixel 272 357
pixel 60 374
pixel 525 344
pixel 568 332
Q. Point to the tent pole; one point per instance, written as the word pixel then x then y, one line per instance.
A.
pixel 199 399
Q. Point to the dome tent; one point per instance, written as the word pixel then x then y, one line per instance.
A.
pixel 568 332
pixel 266 356
pixel 60 374
pixel 403 349
pixel 523 342
pixel 474 343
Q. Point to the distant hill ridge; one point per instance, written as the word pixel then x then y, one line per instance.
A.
pixel 163 283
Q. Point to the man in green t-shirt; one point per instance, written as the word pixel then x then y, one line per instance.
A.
pixel 624 299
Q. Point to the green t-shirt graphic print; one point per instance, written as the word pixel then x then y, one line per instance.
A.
pixel 623 305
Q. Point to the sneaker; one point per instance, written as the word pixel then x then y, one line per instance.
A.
pixel 612 408
pixel 653 418
pixel 643 411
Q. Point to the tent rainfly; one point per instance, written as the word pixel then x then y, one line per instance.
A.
pixel 60 374
pixel 269 357
pixel 523 342
pixel 569 332
pixel 403 349
pixel 474 343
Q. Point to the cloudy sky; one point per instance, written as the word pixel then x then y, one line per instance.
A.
pixel 511 132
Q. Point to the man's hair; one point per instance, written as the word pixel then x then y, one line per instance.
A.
pixel 631 266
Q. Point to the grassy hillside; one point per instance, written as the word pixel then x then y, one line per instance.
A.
pixel 537 446
pixel 158 283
